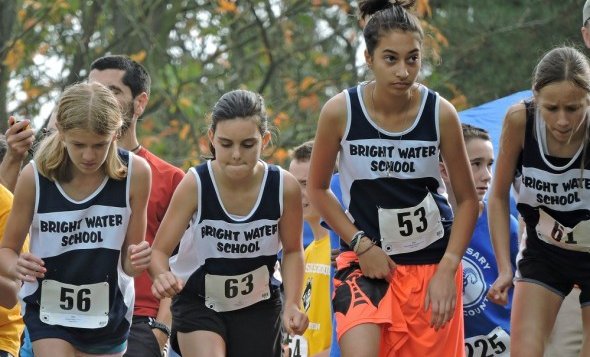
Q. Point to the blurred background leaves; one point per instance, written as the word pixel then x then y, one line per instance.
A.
pixel 295 53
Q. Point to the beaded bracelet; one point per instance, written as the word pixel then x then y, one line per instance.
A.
pixel 366 250
pixel 356 239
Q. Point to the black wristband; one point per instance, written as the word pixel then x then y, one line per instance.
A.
pixel 153 323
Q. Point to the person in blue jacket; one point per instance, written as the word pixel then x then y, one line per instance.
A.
pixel 487 325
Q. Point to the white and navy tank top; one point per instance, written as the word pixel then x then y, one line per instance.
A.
pixel 85 289
pixel 383 171
pixel 225 249
pixel 554 195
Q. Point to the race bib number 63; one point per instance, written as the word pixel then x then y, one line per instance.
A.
pixel 228 293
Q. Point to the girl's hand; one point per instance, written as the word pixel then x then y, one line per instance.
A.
pixel 29 268
pixel 294 320
pixel 441 297
pixel 166 285
pixel 140 255
pixel 375 263
pixel 498 293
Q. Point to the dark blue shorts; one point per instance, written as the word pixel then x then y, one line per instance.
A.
pixel 142 340
pixel 555 268
pixel 93 341
pixel 251 331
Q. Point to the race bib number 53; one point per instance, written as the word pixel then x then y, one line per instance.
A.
pixel 405 230
pixel 82 306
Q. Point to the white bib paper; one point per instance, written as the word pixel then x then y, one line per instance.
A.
pixel 496 344
pixel 82 306
pixel 228 293
pixel 298 346
pixel 405 230
pixel 551 231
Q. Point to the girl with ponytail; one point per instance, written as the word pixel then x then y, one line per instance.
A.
pixel 398 283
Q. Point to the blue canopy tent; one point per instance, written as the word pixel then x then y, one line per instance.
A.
pixel 490 115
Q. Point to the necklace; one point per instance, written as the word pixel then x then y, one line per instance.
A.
pixel 135 149
pixel 406 110
pixel 405 116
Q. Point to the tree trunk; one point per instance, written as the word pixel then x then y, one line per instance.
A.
pixel 8 14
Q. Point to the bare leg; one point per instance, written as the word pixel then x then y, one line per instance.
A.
pixel 361 341
pixel 51 347
pixel 201 344
pixel 566 337
pixel 586 342
pixel 534 309
pixel 84 354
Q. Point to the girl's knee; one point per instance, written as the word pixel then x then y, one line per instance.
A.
pixel 526 345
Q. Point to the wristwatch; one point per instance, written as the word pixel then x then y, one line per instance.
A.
pixel 153 323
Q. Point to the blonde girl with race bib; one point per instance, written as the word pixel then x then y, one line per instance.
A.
pixel 546 140
pixel 398 285
pixel 241 210
pixel 85 203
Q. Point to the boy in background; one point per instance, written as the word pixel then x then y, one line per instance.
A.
pixel 316 284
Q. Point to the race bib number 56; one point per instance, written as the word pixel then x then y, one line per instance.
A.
pixel 82 306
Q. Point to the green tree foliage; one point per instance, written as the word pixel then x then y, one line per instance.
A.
pixel 296 53
pixel 493 46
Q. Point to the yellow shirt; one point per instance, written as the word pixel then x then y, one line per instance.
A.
pixel 11 322
pixel 316 301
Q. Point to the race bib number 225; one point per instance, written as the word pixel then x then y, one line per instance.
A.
pixel 494 344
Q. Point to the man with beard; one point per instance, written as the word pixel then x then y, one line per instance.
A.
pixel 130 82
